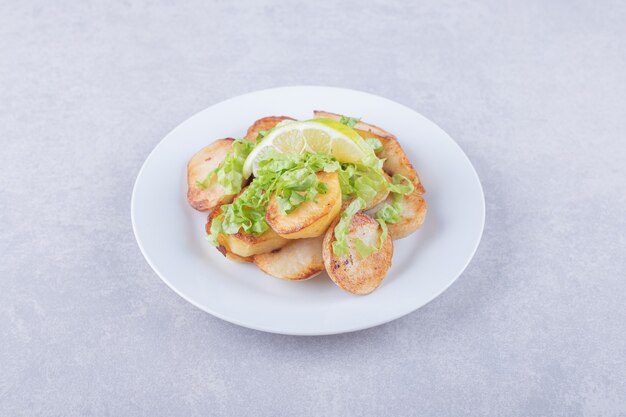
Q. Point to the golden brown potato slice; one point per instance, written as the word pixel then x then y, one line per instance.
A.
pixel 245 245
pixel 265 123
pixel 351 272
pixel 199 166
pixel 311 218
pixel 223 250
pixel 412 216
pixel 396 162
pixel 298 260
pixel 414 210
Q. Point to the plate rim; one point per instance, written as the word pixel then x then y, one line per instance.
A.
pixel 269 329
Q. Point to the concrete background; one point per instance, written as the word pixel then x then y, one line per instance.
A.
pixel 534 92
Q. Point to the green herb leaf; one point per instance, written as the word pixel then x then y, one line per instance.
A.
pixel 349 121
pixel 383 235
pixel 296 199
pixel 216 229
pixel 401 185
pixel 374 144
pixel 322 187
pixel 340 245
pixel 229 172
pixel 389 213
pixel 261 135
pixel 363 249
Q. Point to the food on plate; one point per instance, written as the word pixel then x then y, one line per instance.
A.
pixel 396 161
pixel 349 268
pixel 204 162
pixel 221 247
pixel 243 244
pixel 381 195
pixel 409 212
pixel 262 126
pixel 366 130
pixel 300 197
pixel 411 208
pixel 311 218
pixel 298 260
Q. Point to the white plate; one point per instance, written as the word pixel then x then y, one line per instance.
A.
pixel 172 238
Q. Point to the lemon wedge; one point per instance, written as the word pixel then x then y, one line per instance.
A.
pixel 323 136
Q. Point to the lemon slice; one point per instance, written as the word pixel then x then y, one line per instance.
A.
pixel 323 136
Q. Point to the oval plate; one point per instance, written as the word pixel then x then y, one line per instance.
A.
pixel 172 238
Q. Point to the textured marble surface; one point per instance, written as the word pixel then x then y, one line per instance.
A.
pixel 534 92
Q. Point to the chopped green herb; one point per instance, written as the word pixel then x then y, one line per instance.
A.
pixel 228 173
pixel 340 245
pixel 261 135
pixel 349 121
pixel 374 144
pixel 294 181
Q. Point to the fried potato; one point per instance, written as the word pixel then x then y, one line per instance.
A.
pixel 396 162
pixel 223 250
pixel 351 272
pixel 311 218
pixel 412 216
pixel 298 260
pixel 265 123
pixel 199 166
pixel 245 245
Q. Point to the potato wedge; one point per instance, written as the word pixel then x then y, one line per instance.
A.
pixel 245 245
pixel 412 217
pixel 298 260
pixel 311 218
pixel 265 123
pixel 199 166
pixel 351 272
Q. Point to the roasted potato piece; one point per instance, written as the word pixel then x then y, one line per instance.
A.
pixel 412 217
pixel 223 250
pixel 245 245
pixel 414 209
pixel 298 260
pixel 199 166
pixel 351 272
pixel 396 162
pixel 265 123
pixel 311 218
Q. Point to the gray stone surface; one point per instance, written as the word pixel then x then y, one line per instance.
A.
pixel 535 93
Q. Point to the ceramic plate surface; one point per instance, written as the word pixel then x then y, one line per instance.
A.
pixel 172 238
